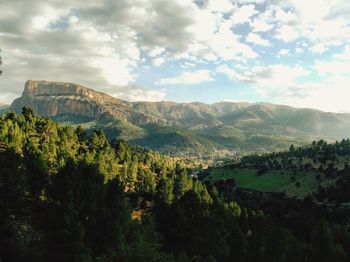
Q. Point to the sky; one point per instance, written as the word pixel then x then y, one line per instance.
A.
pixel 294 52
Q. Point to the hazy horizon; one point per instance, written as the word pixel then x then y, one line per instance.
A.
pixel 187 102
pixel 280 52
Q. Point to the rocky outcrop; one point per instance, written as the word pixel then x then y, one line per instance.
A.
pixel 57 98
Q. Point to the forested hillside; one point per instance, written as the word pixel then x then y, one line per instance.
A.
pixel 184 129
pixel 67 195
pixel 300 171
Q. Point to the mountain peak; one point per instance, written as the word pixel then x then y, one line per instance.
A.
pixel 59 98
pixel 55 98
pixel 37 88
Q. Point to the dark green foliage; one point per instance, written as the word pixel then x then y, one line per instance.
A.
pixel 69 182
pixel 165 190
pixel 12 193
pixel 324 246
pixel 333 156
pixel 70 195
pixel 183 183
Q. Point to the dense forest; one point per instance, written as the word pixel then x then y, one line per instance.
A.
pixel 72 195
pixel 330 160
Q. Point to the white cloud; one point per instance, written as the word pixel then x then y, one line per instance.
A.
pixel 141 94
pixel 332 67
pixel 156 51
pixel 204 24
pixel 330 94
pixel 188 78
pixel 314 11
pixel 284 52
pixel 109 39
pixel 214 39
pixel 276 76
pixel 329 31
pixel 159 61
pixel 227 45
pixel 250 1
pixel 99 46
pixel 114 70
pixel 257 40
pixel 229 72
pixel 345 55
pixel 319 48
pixel 264 21
pixel 323 20
pixel 243 14
pixel 223 6
pixel 299 50
pixel 285 16
pixel 287 33
pixel 261 25
pixel 188 65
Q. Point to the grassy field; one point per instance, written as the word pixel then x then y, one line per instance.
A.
pixel 297 184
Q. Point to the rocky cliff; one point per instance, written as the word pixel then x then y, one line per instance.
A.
pixel 57 98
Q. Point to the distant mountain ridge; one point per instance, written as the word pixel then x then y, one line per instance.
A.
pixel 57 98
pixel 184 128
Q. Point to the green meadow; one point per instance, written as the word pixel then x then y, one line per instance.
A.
pixel 295 184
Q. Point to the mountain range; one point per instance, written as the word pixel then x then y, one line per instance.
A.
pixel 190 129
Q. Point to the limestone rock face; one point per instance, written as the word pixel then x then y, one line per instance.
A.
pixel 57 98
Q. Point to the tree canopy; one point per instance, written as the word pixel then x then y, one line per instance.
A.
pixel 71 195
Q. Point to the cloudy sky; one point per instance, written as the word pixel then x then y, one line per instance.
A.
pixel 294 52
